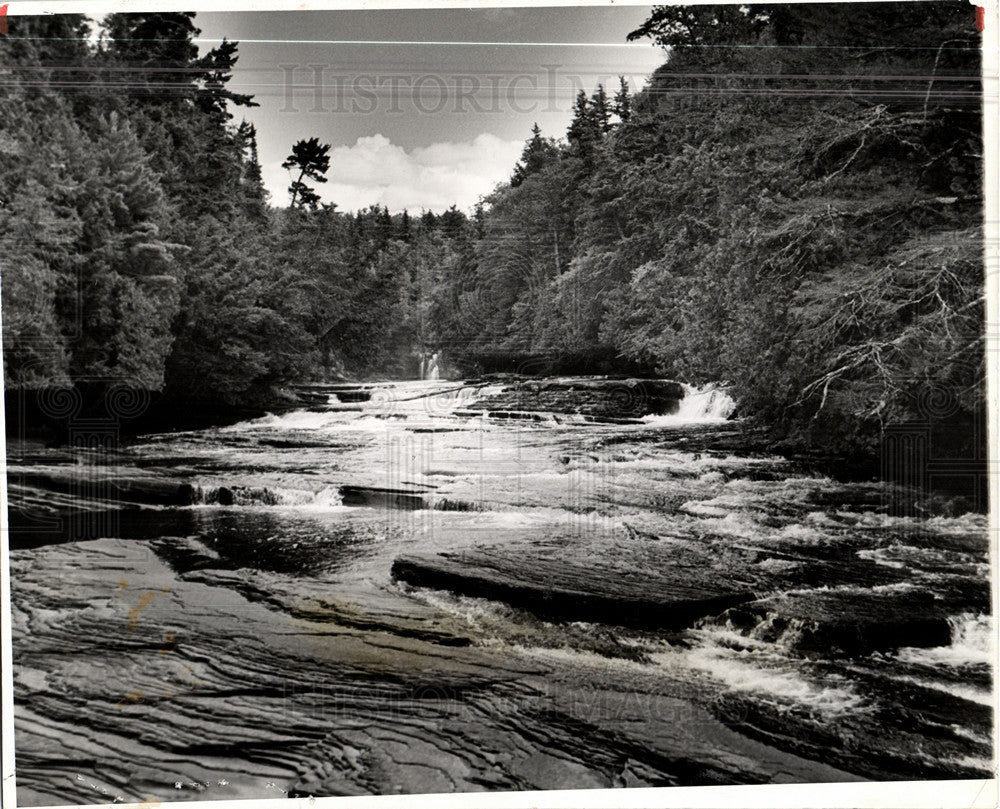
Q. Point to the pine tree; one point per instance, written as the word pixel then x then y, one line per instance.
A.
pixel 251 181
pixel 581 126
pixel 623 101
pixel 479 216
pixel 214 71
pixel 538 152
pixel 584 131
pixel 313 161
pixel 686 27
pixel 48 54
pixel 159 48
pixel 386 230
pixel 161 62
pixel 600 110
pixel 129 294
pixel 452 222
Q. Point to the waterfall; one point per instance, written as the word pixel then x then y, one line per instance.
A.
pixel 429 366
pixel 705 403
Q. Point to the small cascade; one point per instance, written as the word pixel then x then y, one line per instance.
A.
pixel 973 642
pixel 430 366
pixel 706 403
pixel 974 632
pixel 328 497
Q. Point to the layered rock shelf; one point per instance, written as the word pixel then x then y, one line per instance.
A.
pixel 405 499
pixel 553 588
pixel 319 393
pixel 111 485
pixel 137 681
pixel 848 622
pixel 603 398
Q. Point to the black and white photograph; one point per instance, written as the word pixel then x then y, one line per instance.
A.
pixel 513 399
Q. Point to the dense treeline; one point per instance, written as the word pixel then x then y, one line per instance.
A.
pixel 798 216
pixel 138 244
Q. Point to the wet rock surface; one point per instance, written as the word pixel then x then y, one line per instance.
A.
pixel 116 485
pixel 602 398
pixel 135 679
pixel 845 622
pixel 254 643
pixel 556 588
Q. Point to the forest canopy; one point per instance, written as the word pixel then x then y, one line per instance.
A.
pixel 792 206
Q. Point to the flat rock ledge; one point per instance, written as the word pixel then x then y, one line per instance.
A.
pixel 600 398
pixel 843 621
pixel 554 592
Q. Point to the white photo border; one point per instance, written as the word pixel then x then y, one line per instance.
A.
pixel 974 794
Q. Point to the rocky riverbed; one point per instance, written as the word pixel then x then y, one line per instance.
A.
pixel 404 588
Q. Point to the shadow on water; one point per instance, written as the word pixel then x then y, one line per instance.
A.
pixel 235 538
pixel 29 530
pixel 281 542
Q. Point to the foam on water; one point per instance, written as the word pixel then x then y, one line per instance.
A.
pixel 326 498
pixel 296 420
pixel 719 655
pixel 980 696
pixel 902 557
pixel 387 403
pixel 435 399
pixel 707 402
pixel 973 642
pixel 968 523
pixel 706 405
pixel 273 497
pixel 746 665
pixel 973 763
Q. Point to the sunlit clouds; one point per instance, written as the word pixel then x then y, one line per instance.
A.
pixel 374 170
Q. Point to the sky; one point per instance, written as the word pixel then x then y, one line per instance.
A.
pixel 423 109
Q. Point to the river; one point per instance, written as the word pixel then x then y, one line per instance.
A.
pixel 254 642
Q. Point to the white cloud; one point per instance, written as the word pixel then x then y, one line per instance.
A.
pixel 375 170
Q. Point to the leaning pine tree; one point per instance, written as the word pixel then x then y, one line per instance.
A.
pixel 312 159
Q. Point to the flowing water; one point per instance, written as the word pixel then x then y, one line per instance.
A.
pixel 254 643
